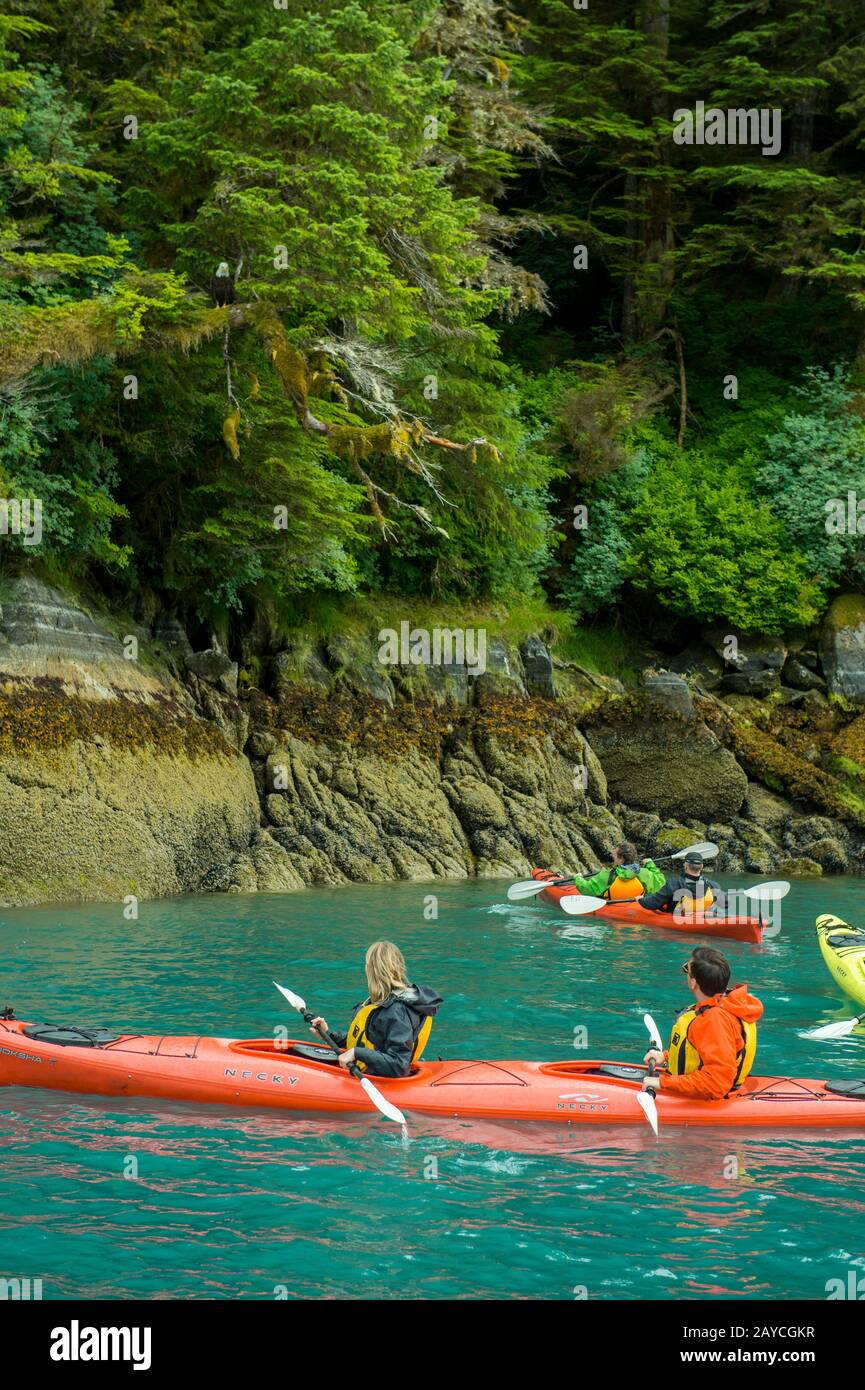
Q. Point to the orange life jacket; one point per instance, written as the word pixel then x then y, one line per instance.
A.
pixel 621 889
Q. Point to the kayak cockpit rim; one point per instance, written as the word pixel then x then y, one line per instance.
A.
pixel 272 1049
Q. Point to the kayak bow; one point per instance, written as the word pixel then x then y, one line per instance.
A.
pixel 843 950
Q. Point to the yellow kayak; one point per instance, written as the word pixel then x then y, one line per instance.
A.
pixel 843 949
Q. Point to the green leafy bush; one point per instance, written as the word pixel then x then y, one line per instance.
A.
pixel 816 458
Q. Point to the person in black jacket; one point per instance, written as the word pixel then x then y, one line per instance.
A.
pixel 689 891
pixel 391 1027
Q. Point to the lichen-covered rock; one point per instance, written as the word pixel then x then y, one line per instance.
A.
pixel 747 707
pixel 670 766
pixel 669 691
pixel 800 676
pixel 802 829
pixel 672 838
pixel 538 667
pixel 596 778
pixel 842 647
pixel 604 834
pixel 701 664
pixel 757 849
pixel 829 853
pixel 170 633
pixel 815 701
pixel 752 664
pixel 503 677
pixel 770 811
pixel 641 827
pixel 111 783
pixel 798 867
pixel 758 683
pixel 786 695
pixel 216 668
pixel 476 805
pixel 745 652
pixel 300 665
pixel 728 859
pixel 260 744
pixel 356 667
pixel 88 822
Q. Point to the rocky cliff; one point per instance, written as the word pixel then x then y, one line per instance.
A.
pixel 111 784
pixel 130 764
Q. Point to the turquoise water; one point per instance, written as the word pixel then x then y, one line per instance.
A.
pixel 233 1204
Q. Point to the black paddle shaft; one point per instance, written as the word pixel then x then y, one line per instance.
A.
pixel 332 1043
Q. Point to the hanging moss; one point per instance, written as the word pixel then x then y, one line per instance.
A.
pixel 229 433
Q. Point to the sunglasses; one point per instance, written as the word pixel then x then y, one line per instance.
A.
pixel 686 968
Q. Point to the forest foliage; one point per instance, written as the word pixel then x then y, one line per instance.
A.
pixel 474 286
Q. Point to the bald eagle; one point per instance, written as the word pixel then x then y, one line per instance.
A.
pixel 222 285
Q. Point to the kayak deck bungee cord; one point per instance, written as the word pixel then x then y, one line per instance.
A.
pixel 294 1076
pixel 734 928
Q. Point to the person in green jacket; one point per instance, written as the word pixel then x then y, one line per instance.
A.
pixel 626 879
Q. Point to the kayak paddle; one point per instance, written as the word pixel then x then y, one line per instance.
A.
pixel 645 1099
pixel 575 904
pixel 646 1102
pixel 775 890
pixel 389 1111
pixel 529 887
pixel 771 892
pixel 836 1030
pixel 705 849
pixel 653 1031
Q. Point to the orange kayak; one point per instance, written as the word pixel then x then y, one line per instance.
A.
pixel 260 1073
pixel 701 924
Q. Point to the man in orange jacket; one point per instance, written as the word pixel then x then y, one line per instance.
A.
pixel 714 1040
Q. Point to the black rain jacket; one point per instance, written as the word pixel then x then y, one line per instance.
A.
pixel 668 898
pixel 393 1029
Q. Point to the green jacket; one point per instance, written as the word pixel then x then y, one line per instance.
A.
pixel 595 887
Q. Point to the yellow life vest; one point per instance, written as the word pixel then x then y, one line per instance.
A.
pixel 683 1057
pixel 621 889
pixel 687 907
pixel 357 1033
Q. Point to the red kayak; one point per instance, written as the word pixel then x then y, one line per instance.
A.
pixel 700 924
pixel 261 1074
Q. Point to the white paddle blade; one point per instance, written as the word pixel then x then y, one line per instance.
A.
pixel 294 999
pixel 389 1111
pixel 835 1030
pixel 652 1027
pixel 575 904
pixel 527 889
pixel 773 891
pixel 649 1109
pixel 705 849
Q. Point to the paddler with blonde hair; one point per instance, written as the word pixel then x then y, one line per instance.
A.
pixel 390 1029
